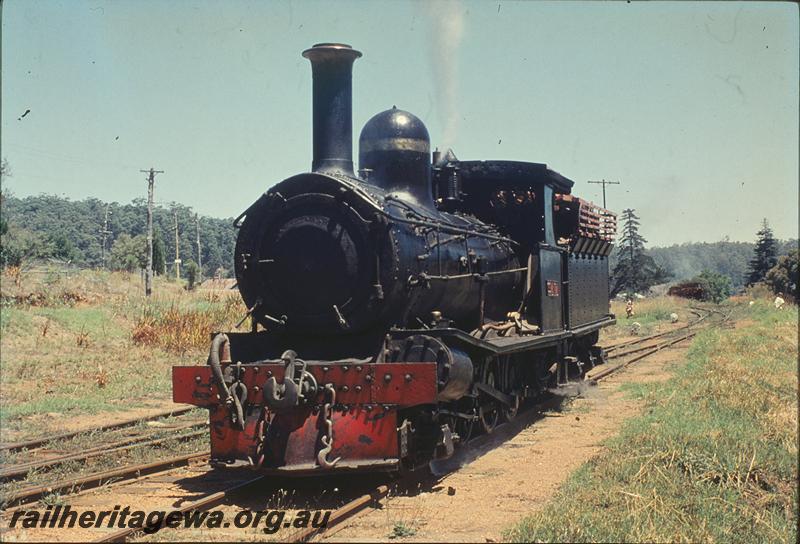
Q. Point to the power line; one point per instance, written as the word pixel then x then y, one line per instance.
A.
pixel 151 179
pixel 604 183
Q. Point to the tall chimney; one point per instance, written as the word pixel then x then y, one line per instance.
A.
pixel 332 69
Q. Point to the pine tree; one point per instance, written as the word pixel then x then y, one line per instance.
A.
pixel 783 277
pixel 765 256
pixel 635 271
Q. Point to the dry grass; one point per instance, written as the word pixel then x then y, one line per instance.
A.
pixel 652 315
pixel 64 358
pixel 181 329
pixel 714 458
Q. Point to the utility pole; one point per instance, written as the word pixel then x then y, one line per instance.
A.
pixel 199 253
pixel 105 232
pixel 604 183
pixel 177 246
pixel 148 277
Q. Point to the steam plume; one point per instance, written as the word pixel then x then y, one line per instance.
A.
pixel 446 31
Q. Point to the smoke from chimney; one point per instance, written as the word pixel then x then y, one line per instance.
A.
pixel 447 29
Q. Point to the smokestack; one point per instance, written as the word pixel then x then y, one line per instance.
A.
pixel 332 69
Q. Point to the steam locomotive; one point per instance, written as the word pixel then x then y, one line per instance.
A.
pixel 397 312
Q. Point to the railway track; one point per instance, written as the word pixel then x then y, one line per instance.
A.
pixel 30 494
pixel 654 344
pixel 643 352
pixel 67 455
pixel 21 470
pixel 206 502
pixel 36 443
pixel 342 514
pixel 701 313
pixel 684 333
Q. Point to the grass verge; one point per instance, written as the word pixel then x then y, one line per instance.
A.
pixel 712 458
pixel 109 348
pixel 651 315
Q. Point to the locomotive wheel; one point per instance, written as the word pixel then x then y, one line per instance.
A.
pixel 488 411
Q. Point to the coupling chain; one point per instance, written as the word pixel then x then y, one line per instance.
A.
pixel 261 427
pixel 327 439
pixel 238 397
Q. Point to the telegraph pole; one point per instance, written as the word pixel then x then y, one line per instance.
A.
pixel 148 277
pixel 177 246
pixel 199 253
pixel 105 232
pixel 604 183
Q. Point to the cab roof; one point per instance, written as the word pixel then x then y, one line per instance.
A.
pixel 515 172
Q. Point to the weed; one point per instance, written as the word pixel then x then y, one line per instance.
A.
pixel 83 339
pixel 402 530
pixel 181 329
pixel 15 273
pixel 45 327
pixel 101 378
pixel 53 499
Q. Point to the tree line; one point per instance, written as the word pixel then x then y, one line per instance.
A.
pixel 48 226
pixel 714 269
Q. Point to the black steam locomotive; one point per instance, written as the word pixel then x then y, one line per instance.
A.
pixel 398 311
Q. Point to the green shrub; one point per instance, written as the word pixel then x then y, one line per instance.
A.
pixel 716 287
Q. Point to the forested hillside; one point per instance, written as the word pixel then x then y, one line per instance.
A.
pixel 688 260
pixel 53 226
pixel 44 226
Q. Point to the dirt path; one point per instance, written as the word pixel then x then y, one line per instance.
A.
pixel 504 483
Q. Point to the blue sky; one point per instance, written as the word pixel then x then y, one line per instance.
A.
pixel 692 106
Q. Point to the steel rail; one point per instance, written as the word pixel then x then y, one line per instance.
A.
pixel 137 437
pixel 127 440
pixel 616 355
pixel 16 471
pixel 200 504
pixel 653 349
pixel 343 513
pixel 99 478
pixel 635 341
pixel 608 371
pixel 38 442
pixel 9 510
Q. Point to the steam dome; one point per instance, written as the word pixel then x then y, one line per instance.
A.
pixel 394 153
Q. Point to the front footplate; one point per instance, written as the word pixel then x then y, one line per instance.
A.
pixel 351 423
